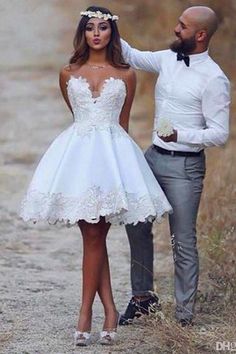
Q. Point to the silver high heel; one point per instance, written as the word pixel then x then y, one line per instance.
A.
pixel 108 337
pixel 82 339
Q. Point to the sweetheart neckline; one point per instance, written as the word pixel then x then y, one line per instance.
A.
pixel 85 80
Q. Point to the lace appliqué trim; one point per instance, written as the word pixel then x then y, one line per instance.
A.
pixel 116 206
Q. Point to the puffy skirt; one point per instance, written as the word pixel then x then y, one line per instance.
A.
pixel 101 174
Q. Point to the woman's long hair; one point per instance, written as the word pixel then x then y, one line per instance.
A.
pixel 81 48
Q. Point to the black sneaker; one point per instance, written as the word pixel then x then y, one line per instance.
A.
pixel 137 308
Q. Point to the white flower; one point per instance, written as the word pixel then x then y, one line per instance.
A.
pixel 99 14
pixel 164 127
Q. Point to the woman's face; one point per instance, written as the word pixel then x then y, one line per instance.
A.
pixel 97 33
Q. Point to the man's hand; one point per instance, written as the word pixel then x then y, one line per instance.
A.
pixel 169 138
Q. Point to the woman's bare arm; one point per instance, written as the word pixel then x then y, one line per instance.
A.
pixel 63 81
pixel 130 81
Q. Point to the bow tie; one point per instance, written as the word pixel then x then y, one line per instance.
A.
pixel 183 57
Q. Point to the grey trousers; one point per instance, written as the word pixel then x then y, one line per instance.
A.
pixel 181 178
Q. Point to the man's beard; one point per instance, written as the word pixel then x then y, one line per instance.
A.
pixel 184 46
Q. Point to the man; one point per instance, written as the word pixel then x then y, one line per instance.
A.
pixel 193 94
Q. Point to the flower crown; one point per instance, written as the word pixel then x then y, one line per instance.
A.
pixel 99 14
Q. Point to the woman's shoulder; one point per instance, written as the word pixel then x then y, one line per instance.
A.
pixel 128 74
pixel 65 72
pixel 68 70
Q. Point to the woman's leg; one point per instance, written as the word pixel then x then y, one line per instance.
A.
pixel 94 247
pixel 104 288
pixel 105 294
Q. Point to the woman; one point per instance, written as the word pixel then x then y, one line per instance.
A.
pixel 94 174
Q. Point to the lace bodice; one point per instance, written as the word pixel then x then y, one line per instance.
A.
pixel 96 112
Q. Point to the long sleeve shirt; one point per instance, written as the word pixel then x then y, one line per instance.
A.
pixel 194 99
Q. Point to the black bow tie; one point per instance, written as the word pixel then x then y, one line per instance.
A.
pixel 183 57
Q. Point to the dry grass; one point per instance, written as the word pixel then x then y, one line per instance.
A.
pixel 172 338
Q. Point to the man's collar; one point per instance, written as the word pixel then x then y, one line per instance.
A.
pixel 194 58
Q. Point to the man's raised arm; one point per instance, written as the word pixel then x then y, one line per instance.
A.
pixel 143 60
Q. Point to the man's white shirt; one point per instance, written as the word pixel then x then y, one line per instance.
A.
pixel 194 99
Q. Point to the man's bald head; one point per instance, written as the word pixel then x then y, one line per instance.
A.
pixel 203 18
pixel 194 30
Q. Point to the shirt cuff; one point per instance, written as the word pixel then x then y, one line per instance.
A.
pixel 182 137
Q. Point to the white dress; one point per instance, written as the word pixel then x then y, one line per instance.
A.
pixel 94 168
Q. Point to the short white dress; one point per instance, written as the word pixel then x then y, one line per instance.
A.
pixel 94 169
